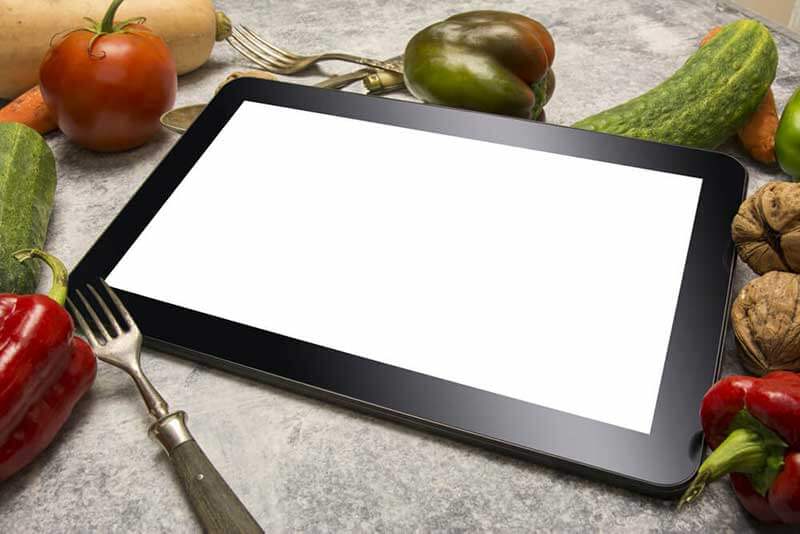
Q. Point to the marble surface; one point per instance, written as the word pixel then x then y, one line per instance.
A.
pixel 302 465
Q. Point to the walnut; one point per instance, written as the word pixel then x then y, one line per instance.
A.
pixel 766 321
pixel 767 228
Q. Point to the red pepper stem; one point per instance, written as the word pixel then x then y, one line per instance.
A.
pixel 743 451
pixel 58 290
pixel 107 26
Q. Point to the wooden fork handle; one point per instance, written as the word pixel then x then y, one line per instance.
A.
pixel 216 505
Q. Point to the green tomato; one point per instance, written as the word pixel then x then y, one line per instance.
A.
pixel 787 139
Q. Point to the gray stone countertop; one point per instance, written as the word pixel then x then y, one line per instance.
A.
pixel 303 465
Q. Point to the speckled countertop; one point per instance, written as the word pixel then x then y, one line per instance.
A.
pixel 302 465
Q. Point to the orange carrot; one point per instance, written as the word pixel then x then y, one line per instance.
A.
pixel 758 135
pixel 29 109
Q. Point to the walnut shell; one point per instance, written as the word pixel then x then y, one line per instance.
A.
pixel 766 321
pixel 767 228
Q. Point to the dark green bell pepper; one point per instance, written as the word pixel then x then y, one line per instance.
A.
pixel 787 139
pixel 489 61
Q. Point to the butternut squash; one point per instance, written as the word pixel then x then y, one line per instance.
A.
pixel 190 28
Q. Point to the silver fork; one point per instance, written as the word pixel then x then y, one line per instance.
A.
pixel 279 61
pixel 120 344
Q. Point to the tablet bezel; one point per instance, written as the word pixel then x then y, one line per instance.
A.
pixel 660 463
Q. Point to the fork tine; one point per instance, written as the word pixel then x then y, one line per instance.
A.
pixel 260 52
pixel 280 51
pixel 120 306
pixel 110 316
pixel 93 315
pixel 81 320
pixel 236 44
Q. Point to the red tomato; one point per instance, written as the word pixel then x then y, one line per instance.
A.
pixel 109 90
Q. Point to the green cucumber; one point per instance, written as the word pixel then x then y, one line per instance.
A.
pixel 27 188
pixel 710 97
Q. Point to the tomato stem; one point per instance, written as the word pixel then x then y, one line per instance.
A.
pixel 107 26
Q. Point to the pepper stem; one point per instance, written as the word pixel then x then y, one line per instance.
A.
pixel 741 452
pixel 107 25
pixel 750 448
pixel 58 289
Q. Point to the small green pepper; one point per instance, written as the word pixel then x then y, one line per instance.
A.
pixel 787 139
pixel 489 61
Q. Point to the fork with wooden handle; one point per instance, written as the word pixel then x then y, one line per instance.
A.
pixel 119 343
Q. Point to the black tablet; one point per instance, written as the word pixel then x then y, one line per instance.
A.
pixel 557 294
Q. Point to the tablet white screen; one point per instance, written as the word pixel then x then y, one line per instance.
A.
pixel 541 277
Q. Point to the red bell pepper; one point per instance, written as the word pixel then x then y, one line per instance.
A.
pixel 44 369
pixel 753 427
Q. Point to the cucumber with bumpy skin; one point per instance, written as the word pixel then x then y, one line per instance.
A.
pixel 27 188
pixel 712 95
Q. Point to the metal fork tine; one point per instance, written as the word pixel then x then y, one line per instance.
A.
pixel 259 52
pixel 110 316
pixel 240 35
pixel 120 306
pixel 236 44
pixel 281 51
pixel 81 320
pixel 93 315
